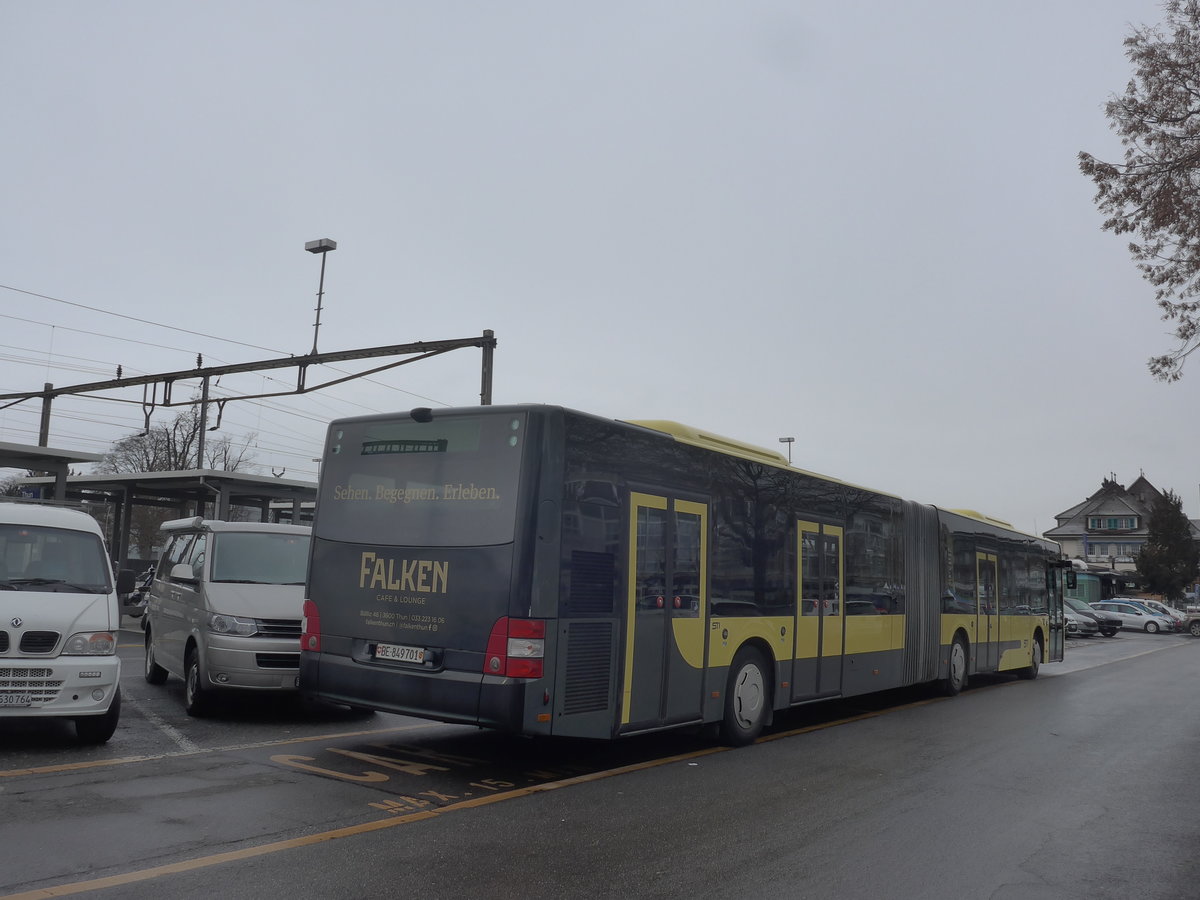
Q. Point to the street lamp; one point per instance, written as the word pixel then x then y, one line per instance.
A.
pixel 789 441
pixel 322 246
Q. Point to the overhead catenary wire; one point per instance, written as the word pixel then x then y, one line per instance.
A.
pixel 283 429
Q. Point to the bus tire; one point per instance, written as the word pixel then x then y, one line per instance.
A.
pixel 956 671
pixel 747 698
pixel 155 674
pixel 1030 672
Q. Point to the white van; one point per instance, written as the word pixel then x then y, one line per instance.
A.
pixel 59 620
pixel 225 607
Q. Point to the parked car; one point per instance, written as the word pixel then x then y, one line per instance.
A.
pixel 1161 608
pixel 225 608
pixel 1135 616
pixel 1107 624
pixel 1192 624
pixel 1079 625
pixel 1151 606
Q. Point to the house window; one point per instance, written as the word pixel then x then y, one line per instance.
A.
pixel 1112 523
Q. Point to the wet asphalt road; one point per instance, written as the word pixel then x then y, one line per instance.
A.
pixel 1015 789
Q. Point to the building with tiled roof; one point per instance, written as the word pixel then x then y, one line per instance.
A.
pixel 1108 528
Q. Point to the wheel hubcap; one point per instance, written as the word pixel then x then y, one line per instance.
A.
pixel 748 696
pixel 958 664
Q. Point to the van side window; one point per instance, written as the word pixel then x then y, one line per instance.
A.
pixel 197 556
pixel 176 552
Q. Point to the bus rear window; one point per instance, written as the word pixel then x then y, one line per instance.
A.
pixel 449 482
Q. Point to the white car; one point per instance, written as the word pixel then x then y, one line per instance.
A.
pixel 1161 608
pixel 1136 617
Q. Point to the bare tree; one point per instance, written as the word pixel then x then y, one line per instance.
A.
pixel 169 447
pixel 1154 195
pixel 172 447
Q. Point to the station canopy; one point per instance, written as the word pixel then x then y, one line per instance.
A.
pixel 208 492
pixel 45 459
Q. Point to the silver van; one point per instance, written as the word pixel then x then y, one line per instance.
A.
pixel 59 620
pixel 225 606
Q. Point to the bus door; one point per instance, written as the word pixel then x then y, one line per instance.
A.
pixel 1055 587
pixel 987 611
pixel 817 669
pixel 666 612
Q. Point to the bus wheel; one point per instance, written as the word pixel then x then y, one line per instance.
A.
pixel 747 698
pixel 1035 662
pixel 956 676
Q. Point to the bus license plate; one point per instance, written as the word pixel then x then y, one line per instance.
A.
pixel 16 700
pixel 400 653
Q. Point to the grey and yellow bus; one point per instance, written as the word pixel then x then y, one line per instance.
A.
pixel 547 572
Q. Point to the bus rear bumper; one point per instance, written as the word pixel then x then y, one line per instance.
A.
pixel 468 698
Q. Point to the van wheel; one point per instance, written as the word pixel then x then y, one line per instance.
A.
pixel 155 674
pixel 98 729
pixel 195 695
pixel 747 698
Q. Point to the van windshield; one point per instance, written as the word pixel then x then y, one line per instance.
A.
pixel 259 557
pixel 36 558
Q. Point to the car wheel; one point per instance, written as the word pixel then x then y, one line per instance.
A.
pixel 1108 632
pixel 747 698
pixel 155 674
pixel 195 696
pixel 1035 662
pixel 956 675
pixel 1151 628
pixel 1194 628
pixel 98 729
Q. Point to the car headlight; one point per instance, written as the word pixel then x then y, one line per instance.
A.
pixel 91 643
pixel 222 624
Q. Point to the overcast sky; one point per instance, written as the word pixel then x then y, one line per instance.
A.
pixel 858 224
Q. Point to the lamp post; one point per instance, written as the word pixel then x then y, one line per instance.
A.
pixel 322 246
pixel 789 441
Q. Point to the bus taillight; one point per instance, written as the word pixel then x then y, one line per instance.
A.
pixel 515 648
pixel 310 627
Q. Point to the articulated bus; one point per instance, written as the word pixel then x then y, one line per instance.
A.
pixel 547 572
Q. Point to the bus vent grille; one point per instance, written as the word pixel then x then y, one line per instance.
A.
pixel 592 578
pixel 3 641
pixel 589 667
